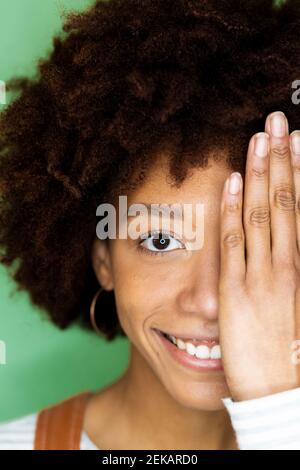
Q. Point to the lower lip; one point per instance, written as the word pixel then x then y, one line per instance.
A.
pixel 187 360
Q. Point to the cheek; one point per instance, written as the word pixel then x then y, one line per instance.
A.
pixel 137 300
pixel 141 297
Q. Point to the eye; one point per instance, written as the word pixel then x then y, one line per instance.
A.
pixel 157 243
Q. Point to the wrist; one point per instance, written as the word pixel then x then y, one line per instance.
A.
pixel 252 393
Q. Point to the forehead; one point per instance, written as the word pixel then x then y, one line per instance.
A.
pixel 200 184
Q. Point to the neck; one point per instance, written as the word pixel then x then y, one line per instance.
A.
pixel 155 420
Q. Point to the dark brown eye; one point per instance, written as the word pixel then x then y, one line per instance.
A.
pixel 159 242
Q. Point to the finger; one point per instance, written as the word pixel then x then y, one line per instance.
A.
pixel 281 191
pixel 256 213
pixel 295 152
pixel 232 234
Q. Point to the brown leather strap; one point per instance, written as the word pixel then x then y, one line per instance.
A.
pixel 59 426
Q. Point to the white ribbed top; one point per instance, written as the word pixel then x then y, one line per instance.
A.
pixel 271 422
pixel 18 434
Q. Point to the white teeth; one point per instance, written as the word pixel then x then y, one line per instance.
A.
pixel 190 348
pixel 202 351
pixel 215 352
pixel 180 343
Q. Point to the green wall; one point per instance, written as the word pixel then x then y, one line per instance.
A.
pixel 43 364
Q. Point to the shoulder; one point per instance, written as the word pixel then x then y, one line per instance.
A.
pixel 18 434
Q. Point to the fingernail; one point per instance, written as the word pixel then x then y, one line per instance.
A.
pixel 296 142
pixel 234 183
pixel 278 124
pixel 261 144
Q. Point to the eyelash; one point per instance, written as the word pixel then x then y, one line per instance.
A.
pixel 152 252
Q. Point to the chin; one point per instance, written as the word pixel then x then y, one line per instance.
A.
pixel 198 395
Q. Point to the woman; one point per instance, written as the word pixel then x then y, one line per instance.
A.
pixel 163 101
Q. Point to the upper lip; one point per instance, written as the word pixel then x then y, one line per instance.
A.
pixel 186 336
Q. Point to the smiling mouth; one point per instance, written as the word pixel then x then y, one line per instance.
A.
pixel 204 348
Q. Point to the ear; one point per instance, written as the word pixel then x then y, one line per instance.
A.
pixel 101 262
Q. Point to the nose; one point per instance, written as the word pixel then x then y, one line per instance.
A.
pixel 199 292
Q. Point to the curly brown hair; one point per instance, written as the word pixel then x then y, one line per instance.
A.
pixel 129 79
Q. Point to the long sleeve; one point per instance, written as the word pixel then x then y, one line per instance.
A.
pixel 271 422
